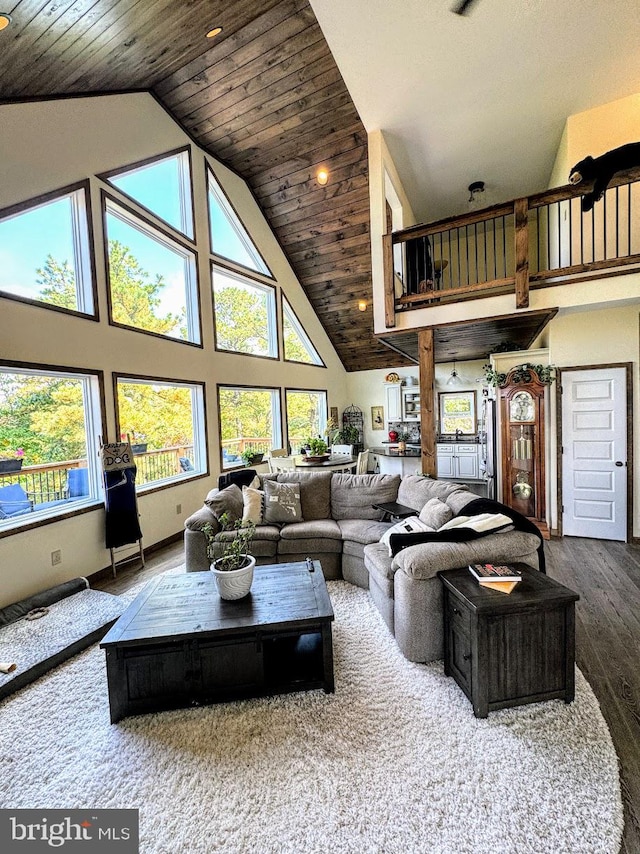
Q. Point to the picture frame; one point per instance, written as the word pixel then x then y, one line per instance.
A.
pixel 377 417
pixel 333 414
pixel 457 411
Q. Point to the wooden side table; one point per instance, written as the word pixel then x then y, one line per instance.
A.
pixel 507 650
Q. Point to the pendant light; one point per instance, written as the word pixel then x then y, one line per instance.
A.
pixel 454 377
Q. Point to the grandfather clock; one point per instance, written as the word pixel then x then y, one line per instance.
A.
pixel 523 448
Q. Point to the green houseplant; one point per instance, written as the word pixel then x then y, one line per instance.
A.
pixel 251 457
pixel 317 447
pixel 231 563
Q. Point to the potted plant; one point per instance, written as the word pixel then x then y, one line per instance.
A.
pixel 231 563
pixel 403 438
pixel 12 462
pixel 251 458
pixel 348 435
pixel 317 449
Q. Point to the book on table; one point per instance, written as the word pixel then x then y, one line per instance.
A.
pixel 494 573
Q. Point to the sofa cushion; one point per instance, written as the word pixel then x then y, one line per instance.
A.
pixel 253 501
pixel 363 531
pixel 258 548
pixel 203 516
pixel 263 532
pixel 415 490
pixel 310 546
pixel 353 495
pixel 227 500
pixel 315 491
pixel 379 564
pixel 436 513
pixel 311 530
pixel 282 502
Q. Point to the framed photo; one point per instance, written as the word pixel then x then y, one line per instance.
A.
pixel 457 412
pixel 333 414
pixel 377 417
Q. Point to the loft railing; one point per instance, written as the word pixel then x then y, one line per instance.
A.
pixel 512 247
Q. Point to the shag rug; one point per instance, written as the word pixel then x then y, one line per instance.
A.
pixel 394 761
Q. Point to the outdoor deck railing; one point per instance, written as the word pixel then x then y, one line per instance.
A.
pixel 49 481
pixel 527 243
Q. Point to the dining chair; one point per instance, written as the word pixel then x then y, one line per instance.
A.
pixel 346 450
pixel 282 464
pixel 278 452
pixel 362 466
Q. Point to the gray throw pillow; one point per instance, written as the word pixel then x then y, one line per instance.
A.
pixel 228 500
pixel 435 513
pixel 281 502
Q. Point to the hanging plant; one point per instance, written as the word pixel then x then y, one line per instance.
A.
pixel 520 374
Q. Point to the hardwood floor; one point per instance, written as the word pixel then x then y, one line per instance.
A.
pixel 607 577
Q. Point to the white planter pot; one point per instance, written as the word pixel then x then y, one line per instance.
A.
pixel 234 583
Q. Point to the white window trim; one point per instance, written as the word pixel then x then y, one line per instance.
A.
pixel 198 422
pixel 276 413
pixel 272 324
pixel 128 217
pixel 322 410
pixel 93 430
pixel 290 315
pixel 241 231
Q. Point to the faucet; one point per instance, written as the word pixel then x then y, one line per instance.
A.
pixel 458 433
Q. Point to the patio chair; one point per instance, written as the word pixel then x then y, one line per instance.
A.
pixel 78 483
pixel 14 501
pixel 185 464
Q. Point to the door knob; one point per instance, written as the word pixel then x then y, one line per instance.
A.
pixel 619 463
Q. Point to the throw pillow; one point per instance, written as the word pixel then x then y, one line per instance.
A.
pixel 228 500
pixel 282 502
pixel 481 522
pixel 410 525
pixel 252 511
pixel 435 513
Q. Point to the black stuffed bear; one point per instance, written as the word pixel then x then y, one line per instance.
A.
pixel 602 169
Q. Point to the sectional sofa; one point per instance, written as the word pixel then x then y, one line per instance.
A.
pixel 339 526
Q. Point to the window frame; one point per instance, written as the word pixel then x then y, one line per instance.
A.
pixel 276 415
pixel 83 244
pixel 201 451
pixel 97 418
pixel 274 332
pixel 470 396
pixel 300 330
pixel 106 177
pixel 192 303
pixel 232 214
pixel 289 389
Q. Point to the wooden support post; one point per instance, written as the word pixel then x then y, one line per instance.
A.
pixel 389 288
pixel 427 395
pixel 521 217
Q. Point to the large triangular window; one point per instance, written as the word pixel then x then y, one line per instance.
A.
pixel 297 344
pixel 229 237
pixel 162 186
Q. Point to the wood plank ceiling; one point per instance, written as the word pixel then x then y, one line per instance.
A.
pixel 265 97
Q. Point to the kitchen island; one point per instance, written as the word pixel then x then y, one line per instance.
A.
pixel 392 461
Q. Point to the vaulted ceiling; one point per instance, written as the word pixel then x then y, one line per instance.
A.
pixel 265 97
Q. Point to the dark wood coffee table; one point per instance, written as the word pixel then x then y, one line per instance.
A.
pixel 180 644
pixel 506 650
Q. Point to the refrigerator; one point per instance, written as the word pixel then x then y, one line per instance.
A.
pixel 488 440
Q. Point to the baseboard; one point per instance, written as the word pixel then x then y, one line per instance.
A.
pixel 106 572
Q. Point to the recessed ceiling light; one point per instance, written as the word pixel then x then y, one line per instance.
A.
pixel 214 32
pixel 322 176
pixel 362 305
pixel 5 20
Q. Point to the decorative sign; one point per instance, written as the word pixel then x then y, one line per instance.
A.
pixel 117 456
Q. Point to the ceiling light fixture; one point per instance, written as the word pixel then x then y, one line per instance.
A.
pixel 454 378
pixel 5 20
pixel 322 176
pixel 214 32
pixel 362 305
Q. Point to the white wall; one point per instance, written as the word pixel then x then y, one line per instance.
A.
pixel 51 144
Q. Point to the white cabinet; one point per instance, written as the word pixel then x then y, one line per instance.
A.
pixel 393 401
pixel 460 461
pixel 411 403
pixel 400 465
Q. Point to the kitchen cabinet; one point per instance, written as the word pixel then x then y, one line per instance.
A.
pixel 403 466
pixel 393 401
pixel 411 403
pixel 458 460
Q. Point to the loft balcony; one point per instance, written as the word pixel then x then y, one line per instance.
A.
pixel 531 243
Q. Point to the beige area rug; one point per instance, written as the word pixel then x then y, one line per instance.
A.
pixel 393 762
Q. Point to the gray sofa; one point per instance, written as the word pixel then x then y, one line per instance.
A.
pixel 342 530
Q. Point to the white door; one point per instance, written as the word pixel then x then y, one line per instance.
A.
pixel 594 458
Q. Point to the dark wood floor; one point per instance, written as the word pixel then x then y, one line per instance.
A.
pixel 607 577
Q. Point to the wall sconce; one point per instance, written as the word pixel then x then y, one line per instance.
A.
pixel 322 176
pixel 476 188
pixel 362 305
